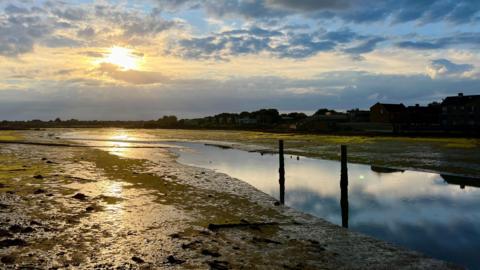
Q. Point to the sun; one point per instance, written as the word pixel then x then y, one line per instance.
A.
pixel 122 57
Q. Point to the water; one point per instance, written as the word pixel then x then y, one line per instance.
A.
pixel 437 215
pixel 417 210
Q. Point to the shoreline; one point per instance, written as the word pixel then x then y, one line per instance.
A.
pixel 236 146
pixel 251 230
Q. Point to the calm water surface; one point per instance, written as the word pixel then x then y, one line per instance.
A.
pixel 418 210
pixel 435 214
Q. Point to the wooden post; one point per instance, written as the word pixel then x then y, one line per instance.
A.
pixel 344 187
pixel 281 171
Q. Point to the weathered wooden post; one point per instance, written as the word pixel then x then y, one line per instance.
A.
pixel 281 171
pixel 344 186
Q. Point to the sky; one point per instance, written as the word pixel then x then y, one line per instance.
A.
pixel 140 60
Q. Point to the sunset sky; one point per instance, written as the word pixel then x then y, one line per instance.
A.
pixel 144 59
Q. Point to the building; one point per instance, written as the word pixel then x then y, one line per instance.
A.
pixel 387 113
pixel 423 116
pixel 461 113
pixel 358 115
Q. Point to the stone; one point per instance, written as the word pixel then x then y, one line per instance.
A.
pixel 8 259
pixel 172 260
pixel 218 265
pixel 207 252
pixel 12 242
pixel 80 196
pixel 138 260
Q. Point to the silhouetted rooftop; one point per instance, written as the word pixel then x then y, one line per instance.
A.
pixel 460 100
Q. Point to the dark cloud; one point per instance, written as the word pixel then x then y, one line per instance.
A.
pixel 339 90
pixel 58 41
pixel 87 32
pixel 278 43
pixel 365 46
pixel 19 32
pixel 309 5
pixel 459 39
pixel 444 67
pixel 12 9
pixel 357 11
pixel 71 14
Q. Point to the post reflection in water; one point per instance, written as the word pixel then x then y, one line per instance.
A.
pixel 439 217
pixel 344 188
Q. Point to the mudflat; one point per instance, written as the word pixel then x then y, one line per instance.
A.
pixel 82 207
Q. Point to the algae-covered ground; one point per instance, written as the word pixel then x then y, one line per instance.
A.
pixel 85 208
pixel 443 155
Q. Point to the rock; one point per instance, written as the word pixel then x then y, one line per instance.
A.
pixel 218 265
pixel 33 222
pixel 28 230
pixel 2 185
pixel 191 244
pixel 39 176
pixel 49 162
pixel 265 240
pixel 44 158
pixel 8 259
pixel 39 191
pixel 90 209
pixel 5 233
pixel 207 252
pixel 15 228
pixel 172 260
pixel 12 242
pixel 80 196
pixel 276 203
pixel 3 206
pixel 137 259
pixel 175 235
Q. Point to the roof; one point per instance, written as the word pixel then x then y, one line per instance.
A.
pixel 392 107
pixel 460 100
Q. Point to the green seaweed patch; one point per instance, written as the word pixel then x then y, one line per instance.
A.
pixel 207 206
pixel 7 135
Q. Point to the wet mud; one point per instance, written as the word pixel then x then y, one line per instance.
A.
pixel 86 208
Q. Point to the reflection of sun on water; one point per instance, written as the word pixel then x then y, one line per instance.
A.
pixel 123 57
pixel 120 144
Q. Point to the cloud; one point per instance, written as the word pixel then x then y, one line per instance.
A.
pixel 459 39
pixel 337 90
pixel 309 5
pixel 444 67
pixel 365 46
pixel 131 76
pixel 87 33
pixel 356 11
pixel 71 14
pixel 56 24
pixel 20 30
pixel 280 43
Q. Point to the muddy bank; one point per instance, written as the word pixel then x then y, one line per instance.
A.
pixel 87 208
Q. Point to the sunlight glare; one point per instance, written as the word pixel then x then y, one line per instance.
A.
pixel 123 58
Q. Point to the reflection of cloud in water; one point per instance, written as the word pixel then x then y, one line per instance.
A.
pixel 414 209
